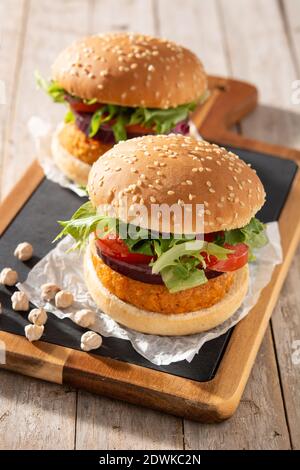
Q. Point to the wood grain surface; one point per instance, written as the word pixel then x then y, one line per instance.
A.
pixel 32 32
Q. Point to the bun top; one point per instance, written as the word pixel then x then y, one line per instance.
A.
pixel 175 169
pixel 130 70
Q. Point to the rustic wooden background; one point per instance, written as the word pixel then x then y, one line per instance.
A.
pixel 255 40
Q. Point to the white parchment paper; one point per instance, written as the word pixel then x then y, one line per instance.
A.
pixel 41 132
pixel 65 269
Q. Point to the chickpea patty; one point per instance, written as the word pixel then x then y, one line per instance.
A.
pixel 157 298
pixel 79 145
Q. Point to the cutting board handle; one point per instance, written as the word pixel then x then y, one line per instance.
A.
pixel 229 102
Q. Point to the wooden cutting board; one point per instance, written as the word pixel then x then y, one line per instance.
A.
pixel 214 400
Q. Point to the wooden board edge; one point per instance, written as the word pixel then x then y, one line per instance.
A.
pixel 227 110
pixel 21 192
pixel 39 359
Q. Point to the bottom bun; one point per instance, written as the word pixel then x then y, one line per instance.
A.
pixel 166 325
pixel 75 169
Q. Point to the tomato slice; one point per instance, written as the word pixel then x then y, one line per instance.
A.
pixel 234 261
pixel 112 245
pixel 81 107
pixel 138 129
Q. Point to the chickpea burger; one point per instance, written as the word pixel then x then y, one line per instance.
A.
pixel 118 86
pixel 182 280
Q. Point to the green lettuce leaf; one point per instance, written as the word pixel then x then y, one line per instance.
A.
pixel 253 234
pixel 163 120
pixel 69 117
pixel 83 222
pixel 52 88
pixel 176 282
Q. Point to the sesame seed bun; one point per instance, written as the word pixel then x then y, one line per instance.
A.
pixel 176 170
pixel 130 70
pixel 161 324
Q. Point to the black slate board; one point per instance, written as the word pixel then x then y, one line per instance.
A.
pixel 36 223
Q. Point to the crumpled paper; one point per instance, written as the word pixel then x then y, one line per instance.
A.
pixel 66 269
pixel 41 131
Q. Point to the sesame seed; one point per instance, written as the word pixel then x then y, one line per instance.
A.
pixel 189 182
pixel 118 168
pixel 152 199
pixel 151 68
pixel 194 170
pixel 191 197
pixel 208 183
pixel 211 190
pixel 170 193
pixel 133 66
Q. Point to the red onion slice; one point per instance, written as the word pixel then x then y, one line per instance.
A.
pixel 141 272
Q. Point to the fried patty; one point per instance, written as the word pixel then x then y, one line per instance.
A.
pixel 79 145
pixel 157 298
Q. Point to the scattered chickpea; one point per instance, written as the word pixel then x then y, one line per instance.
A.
pixel 34 332
pixel 20 302
pixel 49 290
pixel 63 299
pixel 90 340
pixel 8 277
pixel 38 316
pixel 24 251
pixel 85 317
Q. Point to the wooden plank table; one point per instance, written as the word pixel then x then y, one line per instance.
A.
pixel 254 40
